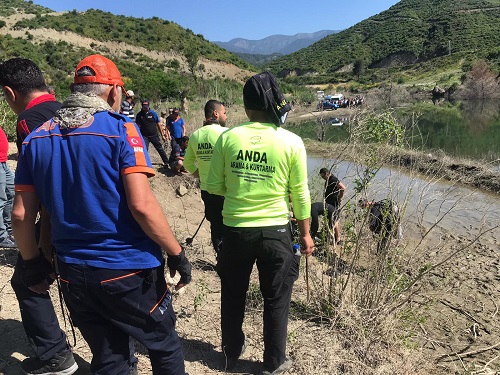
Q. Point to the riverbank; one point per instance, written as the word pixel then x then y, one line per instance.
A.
pixel 438 165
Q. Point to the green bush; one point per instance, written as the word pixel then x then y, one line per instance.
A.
pixel 174 64
pixel 8 120
pixel 383 128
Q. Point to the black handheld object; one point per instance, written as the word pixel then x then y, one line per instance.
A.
pixel 189 240
pixel 180 263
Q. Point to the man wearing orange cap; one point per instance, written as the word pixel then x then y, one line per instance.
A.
pixel 88 167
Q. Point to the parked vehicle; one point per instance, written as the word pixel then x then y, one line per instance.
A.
pixel 326 104
pixel 336 97
pixel 335 122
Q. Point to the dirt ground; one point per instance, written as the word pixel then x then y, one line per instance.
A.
pixel 456 307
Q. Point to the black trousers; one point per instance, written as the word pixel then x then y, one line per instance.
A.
pixel 318 210
pixel 271 249
pixel 110 306
pixel 155 140
pixel 213 213
pixel 39 318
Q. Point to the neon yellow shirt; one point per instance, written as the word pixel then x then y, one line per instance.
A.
pixel 255 166
pixel 200 149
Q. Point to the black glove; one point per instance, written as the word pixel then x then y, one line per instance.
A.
pixel 36 270
pixel 180 264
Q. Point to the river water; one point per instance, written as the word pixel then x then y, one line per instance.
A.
pixel 469 128
pixel 456 209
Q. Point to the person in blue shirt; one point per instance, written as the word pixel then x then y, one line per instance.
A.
pixel 176 126
pixel 26 92
pixel 88 168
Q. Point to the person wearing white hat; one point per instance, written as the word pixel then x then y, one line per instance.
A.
pixel 127 106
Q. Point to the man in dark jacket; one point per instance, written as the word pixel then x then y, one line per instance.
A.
pixel 384 221
pixel 26 93
pixel 149 122
pixel 334 191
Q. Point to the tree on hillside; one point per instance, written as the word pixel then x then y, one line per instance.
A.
pixel 157 85
pixel 358 68
pixel 480 83
pixel 192 55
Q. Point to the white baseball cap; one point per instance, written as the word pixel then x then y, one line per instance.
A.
pixel 130 93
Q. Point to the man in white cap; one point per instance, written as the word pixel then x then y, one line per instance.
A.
pixel 127 106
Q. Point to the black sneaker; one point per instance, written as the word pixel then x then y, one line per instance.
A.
pixel 63 363
pixel 285 366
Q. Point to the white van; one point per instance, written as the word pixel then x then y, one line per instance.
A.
pixel 336 97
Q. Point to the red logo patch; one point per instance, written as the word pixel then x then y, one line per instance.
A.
pixel 135 141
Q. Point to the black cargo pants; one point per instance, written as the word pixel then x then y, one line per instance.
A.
pixel 278 266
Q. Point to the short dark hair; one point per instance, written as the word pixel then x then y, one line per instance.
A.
pixel 210 107
pixel 184 139
pixel 324 171
pixel 22 75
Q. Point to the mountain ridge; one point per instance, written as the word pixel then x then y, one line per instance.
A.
pixel 274 44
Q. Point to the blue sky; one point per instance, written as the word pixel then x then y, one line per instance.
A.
pixel 223 20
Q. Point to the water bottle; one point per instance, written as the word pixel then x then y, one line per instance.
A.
pixel 296 249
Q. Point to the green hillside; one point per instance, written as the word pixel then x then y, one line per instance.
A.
pixel 9 7
pixel 148 79
pixel 409 32
pixel 157 78
pixel 152 33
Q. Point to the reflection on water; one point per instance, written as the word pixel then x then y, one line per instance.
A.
pixel 458 210
pixel 470 128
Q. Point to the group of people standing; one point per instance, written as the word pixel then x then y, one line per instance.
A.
pixel 83 168
pixel 159 131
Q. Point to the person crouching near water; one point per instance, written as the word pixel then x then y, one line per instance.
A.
pixel 384 221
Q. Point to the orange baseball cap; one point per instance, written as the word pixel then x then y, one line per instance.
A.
pixel 105 71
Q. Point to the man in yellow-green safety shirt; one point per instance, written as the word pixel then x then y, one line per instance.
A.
pixel 197 161
pixel 255 166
